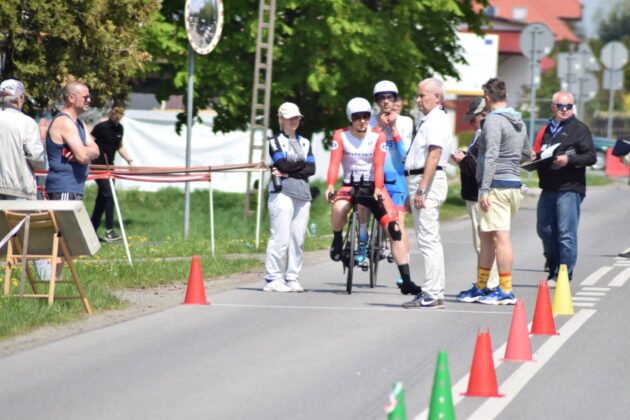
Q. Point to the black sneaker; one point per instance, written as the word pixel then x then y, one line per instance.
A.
pixel 111 236
pixel 424 301
pixel 335 250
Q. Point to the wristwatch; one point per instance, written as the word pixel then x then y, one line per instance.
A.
pixel 419 191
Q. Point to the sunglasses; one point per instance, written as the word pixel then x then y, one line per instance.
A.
pixel 361 116
pixel 385 97
pixel 561 107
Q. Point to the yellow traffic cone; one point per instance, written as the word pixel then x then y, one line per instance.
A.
pixel 562 302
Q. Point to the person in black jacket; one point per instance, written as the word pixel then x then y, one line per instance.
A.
pixel 563 183
pixel 467 162
pixel 289 202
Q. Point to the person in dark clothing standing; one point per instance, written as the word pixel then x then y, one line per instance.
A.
pixel 563 183
pixel 109 138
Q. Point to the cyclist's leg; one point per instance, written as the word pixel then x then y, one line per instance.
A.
pixel 398 202
pixel 387 216
pixel 341 205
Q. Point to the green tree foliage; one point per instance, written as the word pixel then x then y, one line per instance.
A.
pixel 97 41
pixel 325 52
pixel 614 27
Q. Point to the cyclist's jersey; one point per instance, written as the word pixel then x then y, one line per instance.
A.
pixel 358 157
pixel 396 150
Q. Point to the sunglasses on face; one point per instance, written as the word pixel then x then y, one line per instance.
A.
pixel 385 97
pixel 361 116
pixel 561 107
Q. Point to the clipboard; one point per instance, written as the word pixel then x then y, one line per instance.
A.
pixel 546 156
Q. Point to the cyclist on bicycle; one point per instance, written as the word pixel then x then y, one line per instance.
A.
pixel 360 150
pixel 398 131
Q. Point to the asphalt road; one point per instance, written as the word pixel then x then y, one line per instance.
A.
pixel 324 354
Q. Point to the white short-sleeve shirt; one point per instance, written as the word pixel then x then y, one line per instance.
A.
pixel 434 130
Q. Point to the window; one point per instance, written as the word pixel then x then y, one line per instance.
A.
pixel 519 13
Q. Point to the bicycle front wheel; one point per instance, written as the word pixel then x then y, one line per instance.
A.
pixel 374 250
pixel 350 245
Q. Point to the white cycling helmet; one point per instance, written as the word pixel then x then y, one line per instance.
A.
pixel 357 105
pixel 385 86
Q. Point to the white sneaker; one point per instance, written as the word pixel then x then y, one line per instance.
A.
pixel 295 286
pixel 276 286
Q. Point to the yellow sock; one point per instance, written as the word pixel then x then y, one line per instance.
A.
pixel 505 282
pixel 482 277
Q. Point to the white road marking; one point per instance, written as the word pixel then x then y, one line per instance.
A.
pixel 589 293
pixel 584 304
pixel 620 279
pixel 596 289
pixel 585 299
pixel 513 385
pixel 596 276
pixel 350 308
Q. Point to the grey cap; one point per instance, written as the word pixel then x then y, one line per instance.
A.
pixel 476 106
pixel 11 87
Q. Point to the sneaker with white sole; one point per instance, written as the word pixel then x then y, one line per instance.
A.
pixel 294 285
pixel 473 294
pixel 498 297
pixel 423 300
pixel 111 236
pixel 276 286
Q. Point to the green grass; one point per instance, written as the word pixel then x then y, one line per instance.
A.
pixel 154 225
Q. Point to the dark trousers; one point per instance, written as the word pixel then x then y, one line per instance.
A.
pixel 104 204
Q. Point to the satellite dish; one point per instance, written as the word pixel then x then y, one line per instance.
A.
pixel 204 22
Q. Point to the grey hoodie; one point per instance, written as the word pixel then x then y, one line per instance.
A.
pixel 503 145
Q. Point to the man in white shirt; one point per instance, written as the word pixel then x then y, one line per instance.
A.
pixel 427 185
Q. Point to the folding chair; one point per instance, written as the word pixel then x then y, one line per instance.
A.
pixel 42 225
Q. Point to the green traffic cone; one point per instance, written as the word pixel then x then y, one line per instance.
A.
pixel 441 397
pixel 395 409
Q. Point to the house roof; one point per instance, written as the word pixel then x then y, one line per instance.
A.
pixel 552 13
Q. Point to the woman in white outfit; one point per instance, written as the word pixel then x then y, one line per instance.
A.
pixel 289 202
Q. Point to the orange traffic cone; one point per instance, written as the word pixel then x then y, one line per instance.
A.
pixel 195 292
pixel 518 348
pixel 483 378
pixel 543 323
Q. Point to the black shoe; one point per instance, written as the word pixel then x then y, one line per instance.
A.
pixel 625 254
pixel 335 252
pixel 410 288
pixel 111 236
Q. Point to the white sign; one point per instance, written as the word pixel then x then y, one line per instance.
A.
pixel 481 54
pixel 613 79
pixel 536 41
pixel 614 55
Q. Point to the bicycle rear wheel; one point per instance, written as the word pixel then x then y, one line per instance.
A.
pixel 349 247
pixel 374 250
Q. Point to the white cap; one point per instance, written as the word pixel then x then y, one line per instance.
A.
pixel 11 87
pixel 357 105
pixel 385 86
pixel 289 110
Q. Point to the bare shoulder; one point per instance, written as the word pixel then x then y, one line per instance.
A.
pixel 61 128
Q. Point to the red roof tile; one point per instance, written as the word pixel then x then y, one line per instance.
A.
pixel 549 12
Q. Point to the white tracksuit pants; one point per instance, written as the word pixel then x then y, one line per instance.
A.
pixel 426 222
pixel 288 219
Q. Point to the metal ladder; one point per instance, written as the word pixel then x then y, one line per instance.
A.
pixel 261 98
